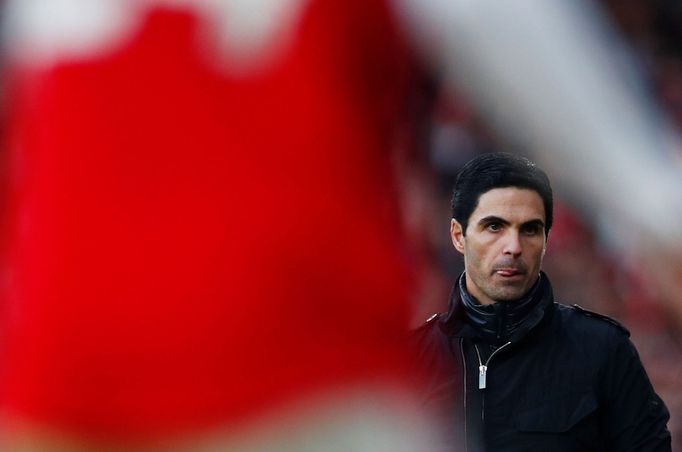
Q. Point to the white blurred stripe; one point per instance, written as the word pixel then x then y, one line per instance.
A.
pixel 40 32
pixel 251 32
pixel 248 33
pixel 359 420
pixel 362 421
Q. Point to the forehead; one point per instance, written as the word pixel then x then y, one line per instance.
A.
pixel 510 203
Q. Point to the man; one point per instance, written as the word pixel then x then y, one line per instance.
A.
pixel 511 368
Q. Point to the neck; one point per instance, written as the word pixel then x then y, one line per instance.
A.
pixel 498 321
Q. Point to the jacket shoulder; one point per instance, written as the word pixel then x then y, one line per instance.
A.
pixel 585 313
pixel 433 359
pixel 430 321
pixel 427 328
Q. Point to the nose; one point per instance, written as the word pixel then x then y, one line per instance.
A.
pixel 512 244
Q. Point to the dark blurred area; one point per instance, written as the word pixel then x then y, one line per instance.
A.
pixel 584 265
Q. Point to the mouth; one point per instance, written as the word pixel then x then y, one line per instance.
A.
pixel 509 272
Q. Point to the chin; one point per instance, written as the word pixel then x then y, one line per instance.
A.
pixel 509 295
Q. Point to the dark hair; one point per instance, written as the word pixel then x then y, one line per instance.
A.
pixel 497 170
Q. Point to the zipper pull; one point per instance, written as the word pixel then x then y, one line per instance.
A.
pixel 481 376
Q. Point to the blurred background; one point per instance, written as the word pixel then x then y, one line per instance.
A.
pixel 616 267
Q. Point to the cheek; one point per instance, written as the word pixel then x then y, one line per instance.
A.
pixel 540 254
pixel 475 256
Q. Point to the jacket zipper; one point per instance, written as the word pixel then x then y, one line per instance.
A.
pixel 482 374
pixel 483 368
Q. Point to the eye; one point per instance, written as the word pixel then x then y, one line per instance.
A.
pixel 493 227
pixel 531 229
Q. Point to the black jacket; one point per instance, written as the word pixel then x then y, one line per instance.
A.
pixel 569 380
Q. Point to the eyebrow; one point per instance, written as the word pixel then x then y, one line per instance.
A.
pixel 537 222
pixel 494 219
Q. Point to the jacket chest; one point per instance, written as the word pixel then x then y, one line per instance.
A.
pixel 536 395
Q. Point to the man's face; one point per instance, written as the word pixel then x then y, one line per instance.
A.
pixel 504 244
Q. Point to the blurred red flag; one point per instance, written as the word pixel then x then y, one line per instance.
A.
pixel 200 225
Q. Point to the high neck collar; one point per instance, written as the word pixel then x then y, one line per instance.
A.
pixel 504 321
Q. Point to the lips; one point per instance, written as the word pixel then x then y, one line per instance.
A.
pixel 509 272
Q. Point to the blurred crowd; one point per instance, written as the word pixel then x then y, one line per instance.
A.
pixel 585 266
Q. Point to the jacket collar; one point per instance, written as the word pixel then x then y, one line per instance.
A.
pixel 496 323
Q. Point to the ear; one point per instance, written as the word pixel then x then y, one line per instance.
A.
pixel 457 235
pixel 544 248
